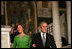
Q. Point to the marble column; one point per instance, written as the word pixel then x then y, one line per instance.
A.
pixel 2 8
pixel 35 9
pixel 56 24
pixel 68 7
pixel 5 36
pixel 6 13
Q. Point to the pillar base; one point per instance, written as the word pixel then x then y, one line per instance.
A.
pixel 59 44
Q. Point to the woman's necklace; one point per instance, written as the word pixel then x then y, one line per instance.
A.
pixel 21 36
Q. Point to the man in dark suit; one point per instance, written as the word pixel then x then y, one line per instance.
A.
pixel 43 39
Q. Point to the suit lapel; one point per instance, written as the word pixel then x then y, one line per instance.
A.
pixel 46 39
pixel 40 39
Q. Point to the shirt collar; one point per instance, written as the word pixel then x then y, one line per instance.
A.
pixel 42 34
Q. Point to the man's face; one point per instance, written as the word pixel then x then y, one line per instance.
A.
pixel 12 25
pixel 43 27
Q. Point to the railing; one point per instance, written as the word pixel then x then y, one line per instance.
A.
pixel 50 28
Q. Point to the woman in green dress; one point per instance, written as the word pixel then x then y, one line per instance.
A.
pixel 22 40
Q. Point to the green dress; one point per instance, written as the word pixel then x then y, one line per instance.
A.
pixel 22 42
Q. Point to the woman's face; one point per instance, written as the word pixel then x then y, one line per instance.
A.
pixel 20 29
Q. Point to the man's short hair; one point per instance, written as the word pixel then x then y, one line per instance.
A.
pixel 42 23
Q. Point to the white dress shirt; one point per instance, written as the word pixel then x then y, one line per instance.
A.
pixel 42 35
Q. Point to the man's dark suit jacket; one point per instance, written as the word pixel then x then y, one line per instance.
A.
pixel 36 39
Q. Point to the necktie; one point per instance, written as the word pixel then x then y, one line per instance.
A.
pixel 44 40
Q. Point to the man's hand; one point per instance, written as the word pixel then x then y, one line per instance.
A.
pixel 34 45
